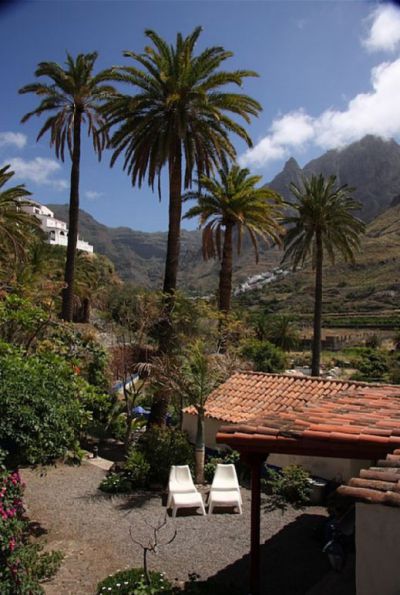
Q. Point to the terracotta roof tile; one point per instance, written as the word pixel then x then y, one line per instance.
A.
pixel 246 394
pixel 379 484
pixel 328 417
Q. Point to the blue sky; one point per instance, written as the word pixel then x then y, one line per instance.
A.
pixel 329 74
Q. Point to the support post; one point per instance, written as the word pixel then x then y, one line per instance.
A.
pixel 255 462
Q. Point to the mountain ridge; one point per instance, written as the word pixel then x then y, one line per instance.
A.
pixel 139 256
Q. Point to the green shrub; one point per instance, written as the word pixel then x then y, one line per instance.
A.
pixel 21 323
pixel 291 487
pixel 41 408
pixel 372 366
pixel 136 468
pixel 115 483
pixel 264 355
pixel 132 582
pixel 163 447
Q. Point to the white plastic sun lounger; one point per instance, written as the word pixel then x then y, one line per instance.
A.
pixel 225 489
pixel 182 491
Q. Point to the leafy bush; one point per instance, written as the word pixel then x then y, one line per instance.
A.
pixel 132 582
pixel 264 355
pixel 291 487
pixel 137 468
pixel 115 483
pixel 21 323
pixel 22 564
pixel 41 406
pixel 163 447
pixel 372 366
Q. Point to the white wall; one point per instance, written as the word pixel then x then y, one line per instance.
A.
pixel 377 549
pixel 340 470
pixel 211 427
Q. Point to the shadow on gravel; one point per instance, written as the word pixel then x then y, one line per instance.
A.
pixel 292 563
pixel 36 529
pixel 137 499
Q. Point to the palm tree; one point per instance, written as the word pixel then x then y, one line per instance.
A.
pixel 234 203
pixel 323 225
pixel 18 229
pixel 177 117
pixel 73 96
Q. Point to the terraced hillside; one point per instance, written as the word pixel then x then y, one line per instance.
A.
pixel 367 293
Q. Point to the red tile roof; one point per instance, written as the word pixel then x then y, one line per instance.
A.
pixel 354 421
pixel 255 394
pixel 379 484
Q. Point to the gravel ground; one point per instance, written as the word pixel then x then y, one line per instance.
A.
pixel 93 531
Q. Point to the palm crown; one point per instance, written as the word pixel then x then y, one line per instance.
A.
pixel 71 90
pixel 234 201
pixel 323 211
pixel 18 229
pixel 324 224
pixel 178 105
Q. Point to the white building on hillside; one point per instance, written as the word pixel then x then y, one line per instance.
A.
pixel 56 231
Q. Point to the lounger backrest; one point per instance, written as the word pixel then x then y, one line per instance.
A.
pixel 183 475
pixel 225 477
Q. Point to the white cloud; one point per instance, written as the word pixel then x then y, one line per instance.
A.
pixel 376 112
pixel 93 195
pixel 39 170
pixel 13 139
pixel 384 29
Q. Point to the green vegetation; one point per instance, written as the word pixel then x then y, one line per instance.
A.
pixel 290 487
pixel 264 355
pixel 133 582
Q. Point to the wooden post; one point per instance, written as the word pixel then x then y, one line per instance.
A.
pixel 255 463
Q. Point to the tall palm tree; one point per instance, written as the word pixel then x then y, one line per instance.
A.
pixel 18 229
pixel 322 226
pixel 72 97
pixel 233 203
pixel 178 116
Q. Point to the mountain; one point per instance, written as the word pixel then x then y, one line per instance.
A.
pixel 371 166
pixel 139 257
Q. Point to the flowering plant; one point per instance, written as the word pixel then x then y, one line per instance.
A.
pixel 21 563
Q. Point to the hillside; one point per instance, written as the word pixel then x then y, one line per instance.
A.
pixel 369 287
pixel 372 165
pixel 139 256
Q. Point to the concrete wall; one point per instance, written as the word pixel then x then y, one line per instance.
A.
pixel 340 470
pixel 377 549
pixel 211 427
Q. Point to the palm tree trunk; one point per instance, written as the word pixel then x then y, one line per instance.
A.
pixel 316 344
pixel 225 275
pixel 174 222
pixel 200 446
pixel 159 407
pixel 69 275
